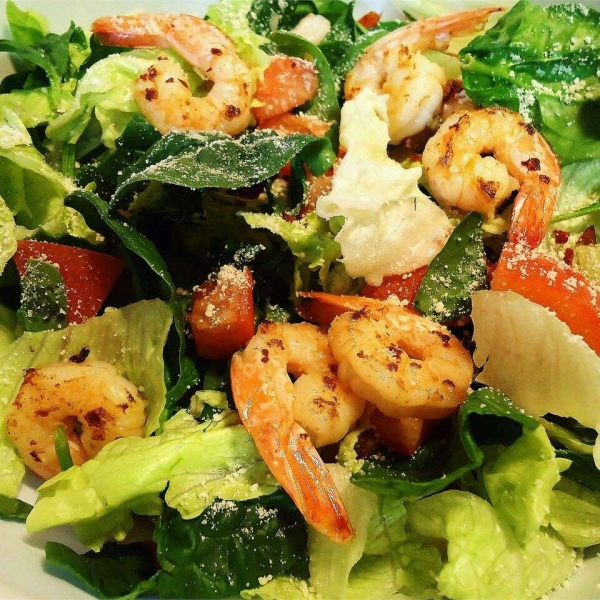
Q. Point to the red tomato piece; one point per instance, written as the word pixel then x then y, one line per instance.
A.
pixel 553 284
pixel 222 316
pixel 404 287
pixel 88 275
pixel 370 19
pixel 287 83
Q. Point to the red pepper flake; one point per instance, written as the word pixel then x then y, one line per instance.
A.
pixel 560 236
pixel 569 256
pixel 588 237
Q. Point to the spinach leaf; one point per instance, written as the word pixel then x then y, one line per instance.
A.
pixel 545 64
pixel 43 297
pixel 325 103
pixel 579 195
pixel 455 273
pixel 117 571
pixel 486 417
pixel 214 160
pixel 58 56
pixel 14 509
pixel 229 547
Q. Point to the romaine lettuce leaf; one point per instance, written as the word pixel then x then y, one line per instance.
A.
pixel 290 588
pixel 545 64
pixel 8 235
pixel 32 190
pixel 575 514
pixel 578 203
pixel 309 239
pixel 520 481
pixel 196 462
pixel 26 26
pixel 484 558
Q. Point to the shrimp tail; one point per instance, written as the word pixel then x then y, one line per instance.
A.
pixel 532 212
pixel 308 482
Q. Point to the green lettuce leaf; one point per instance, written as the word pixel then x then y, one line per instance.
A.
pixel 386 528
pixel 455 273
pixel 484 558
pixel 33 106
pixel 575 513
pixel 290 588
pixel 578 203
pixel 520 481
pixel 117 571
pixel 8 235
pixel 231 547
pixel 545 64
pixel 198 463
pixel 309 239
pixel 32 190
pixel 410 568
pixel 26 26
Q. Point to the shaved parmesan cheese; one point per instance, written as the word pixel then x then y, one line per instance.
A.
pixel 532 356
pixel 390 226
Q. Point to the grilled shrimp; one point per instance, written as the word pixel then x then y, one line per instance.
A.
pixel 163 92
pixel 394 65
pixel 287 420
pixel 405 364
pixel 460 172
pixel 90 400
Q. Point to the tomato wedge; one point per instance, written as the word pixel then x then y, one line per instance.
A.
pixel 553 284
pixel 404 287
pixel 287 83
pixel 222 316
pixel 88 275
pixel 370 19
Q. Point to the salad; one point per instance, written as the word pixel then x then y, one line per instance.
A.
pixel 298 303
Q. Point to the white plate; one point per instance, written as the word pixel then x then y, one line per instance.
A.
pixel 23 572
